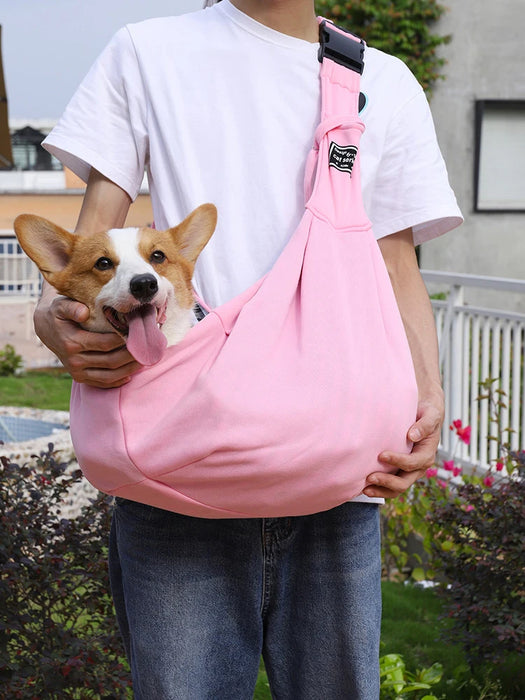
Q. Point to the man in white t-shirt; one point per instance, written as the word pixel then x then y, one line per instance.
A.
pixel 221 105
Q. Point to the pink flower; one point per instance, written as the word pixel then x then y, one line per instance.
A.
pixel 468 508
pixel 448 465
pixel 499 466
pixel 456 471
pixel 431 472
pixel 488 480
pixel 442 484
pixel 464 434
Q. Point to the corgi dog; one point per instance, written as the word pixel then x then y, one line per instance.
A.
pixel 135 281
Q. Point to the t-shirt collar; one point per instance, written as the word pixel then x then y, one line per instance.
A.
pixel 261 30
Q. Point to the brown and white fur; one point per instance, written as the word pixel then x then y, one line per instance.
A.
pixel 117 272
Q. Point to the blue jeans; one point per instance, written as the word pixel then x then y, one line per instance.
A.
pixel 198 601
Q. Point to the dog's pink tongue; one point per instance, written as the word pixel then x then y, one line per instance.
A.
pixel 146 342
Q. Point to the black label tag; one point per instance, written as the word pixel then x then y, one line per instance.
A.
pixel 342 157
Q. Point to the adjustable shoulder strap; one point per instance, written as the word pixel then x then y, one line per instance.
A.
pixel 341 46
pixel 335 193
pixel 341 54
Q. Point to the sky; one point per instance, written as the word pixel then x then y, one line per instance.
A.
pixel 49 45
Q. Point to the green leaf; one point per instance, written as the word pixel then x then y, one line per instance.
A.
pixel 418 574
pixel 431 675
pixel 412 687
pixel 391 663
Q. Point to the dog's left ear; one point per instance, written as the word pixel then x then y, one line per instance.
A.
pixel 195 231
pixel 47 244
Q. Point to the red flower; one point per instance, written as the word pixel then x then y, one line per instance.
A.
pixel 499 466
pixel 488 480
pixel 431 472
pixel 448 465
pixel 456 471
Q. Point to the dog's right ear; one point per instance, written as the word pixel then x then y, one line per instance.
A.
pixel 48 245
pixel 195 231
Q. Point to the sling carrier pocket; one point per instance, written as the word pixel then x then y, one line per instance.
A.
pixel 278 402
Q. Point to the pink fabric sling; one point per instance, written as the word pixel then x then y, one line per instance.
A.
pixel 278 402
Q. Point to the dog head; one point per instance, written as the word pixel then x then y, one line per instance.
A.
pixel 136 282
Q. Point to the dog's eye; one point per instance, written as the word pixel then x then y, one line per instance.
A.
pixel 157 256
pixel 104 264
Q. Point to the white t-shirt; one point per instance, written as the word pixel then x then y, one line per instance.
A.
pixel 220 108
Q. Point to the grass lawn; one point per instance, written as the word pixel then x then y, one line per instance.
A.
pixel 411 626
pixel 49 390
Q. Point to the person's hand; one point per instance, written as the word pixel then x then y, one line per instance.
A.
pixel 97 359
pixel 425 434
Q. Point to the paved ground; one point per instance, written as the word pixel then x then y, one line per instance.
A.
pixel 81 492
pixel 16 328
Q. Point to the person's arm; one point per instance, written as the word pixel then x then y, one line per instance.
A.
pixel 416 312
pixel 98 359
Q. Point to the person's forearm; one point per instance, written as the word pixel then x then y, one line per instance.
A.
pixel 416 312
pixel 418 319
pixel 105 205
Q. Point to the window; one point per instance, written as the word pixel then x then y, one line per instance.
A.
pixel 28 153
pixel 18 274
pixel 500 156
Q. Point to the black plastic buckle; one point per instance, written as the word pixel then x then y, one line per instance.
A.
pixel 343 50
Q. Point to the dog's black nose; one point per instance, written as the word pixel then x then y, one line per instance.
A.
pixel 143 287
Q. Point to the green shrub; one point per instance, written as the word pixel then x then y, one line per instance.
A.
pixel 10 361
pixel 58 637
pixel 484 568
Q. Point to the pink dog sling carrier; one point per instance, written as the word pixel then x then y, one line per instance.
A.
pixel 278 402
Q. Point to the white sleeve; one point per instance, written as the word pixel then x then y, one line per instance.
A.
pixel 412 187
pixel 104 125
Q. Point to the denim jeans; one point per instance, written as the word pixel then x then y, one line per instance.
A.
pixel 198 601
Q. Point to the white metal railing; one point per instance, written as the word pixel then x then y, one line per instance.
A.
pixel 19 276
pixel 477 344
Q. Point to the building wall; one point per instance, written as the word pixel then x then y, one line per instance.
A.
pixel 63 209
pixel 485 60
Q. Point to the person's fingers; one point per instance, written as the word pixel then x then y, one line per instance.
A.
pixel 97 359
pixel 384 485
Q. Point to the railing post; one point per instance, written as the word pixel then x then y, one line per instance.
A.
pixel 451 359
